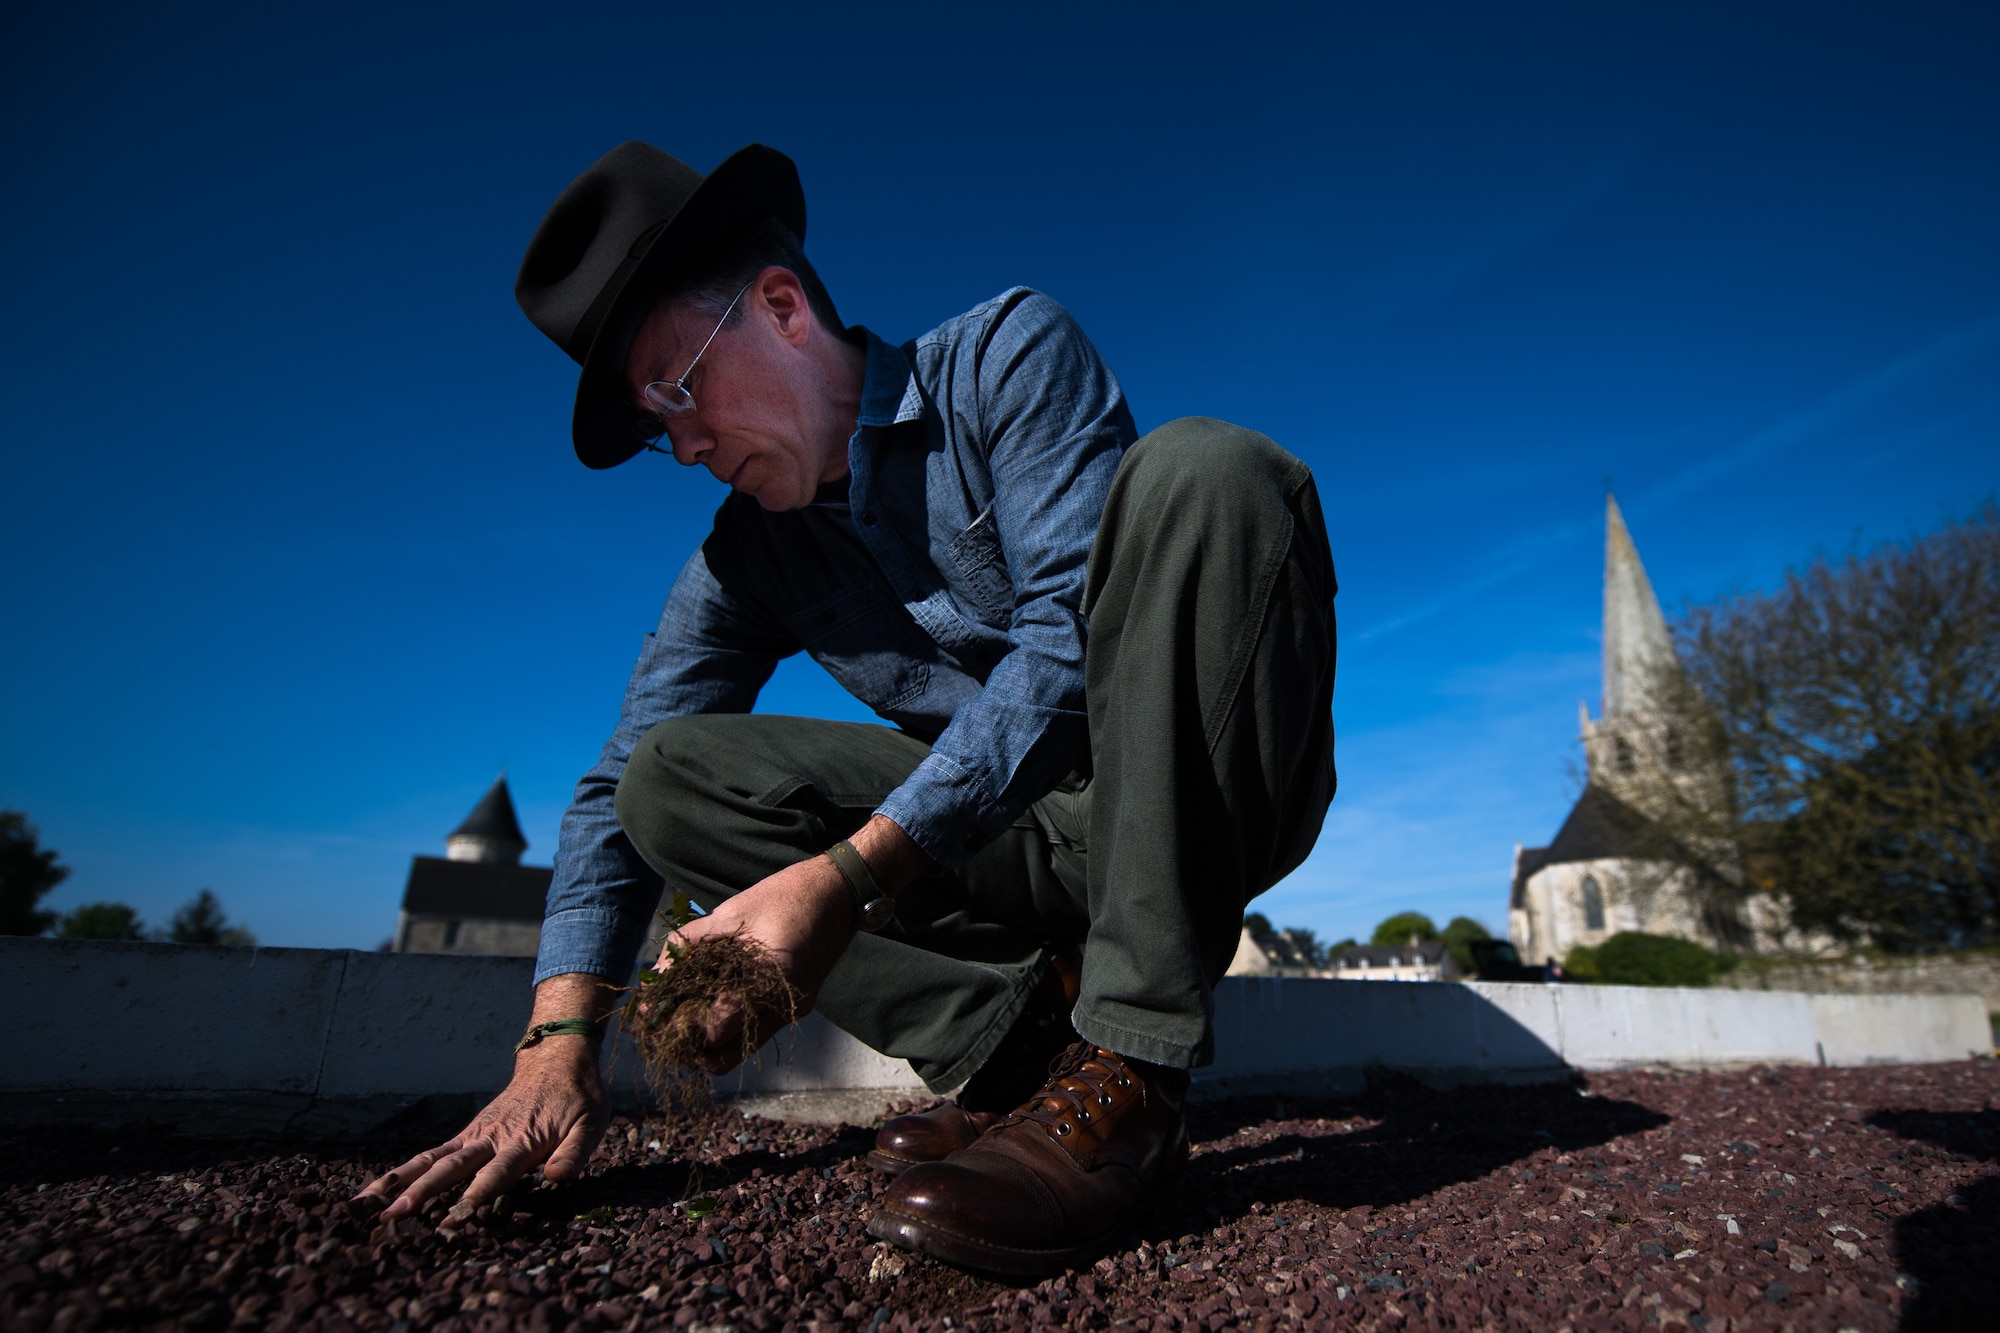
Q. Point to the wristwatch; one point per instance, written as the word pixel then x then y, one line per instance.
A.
pixel 874 909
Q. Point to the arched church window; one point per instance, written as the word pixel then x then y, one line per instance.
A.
pixel 1593 904
pixel 1673 749
pixel 1621 751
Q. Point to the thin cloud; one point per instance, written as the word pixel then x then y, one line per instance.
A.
pixel 1942 354
pixel 1517 557
pixel 1910 442
pixel 1531 551
pixel 1432 278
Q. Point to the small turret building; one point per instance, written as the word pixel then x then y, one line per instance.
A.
pixel 477 898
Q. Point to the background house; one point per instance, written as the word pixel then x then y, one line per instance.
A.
pixel 1279 953
pixel 1418 960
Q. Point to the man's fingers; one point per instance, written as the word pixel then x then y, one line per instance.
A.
pixel 441 1176
pixel 678 940
pixel 722 1034
pixel 570 1156
pixel 391 1183
pixel 494 1179
pixel 723 1022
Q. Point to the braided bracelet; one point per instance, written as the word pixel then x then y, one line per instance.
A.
pixel 561 1027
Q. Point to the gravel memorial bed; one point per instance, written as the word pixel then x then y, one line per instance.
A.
pixel 1766 1198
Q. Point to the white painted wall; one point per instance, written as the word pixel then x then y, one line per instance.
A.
pixel 1896 1029
pixel 1270 1025
pixel 320 1026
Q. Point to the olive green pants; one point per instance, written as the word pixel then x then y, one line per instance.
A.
pixel 1209 677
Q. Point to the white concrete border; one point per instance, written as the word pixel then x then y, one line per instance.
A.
pixel 293 1032
pixel 1267 1026
pixel 1897 1029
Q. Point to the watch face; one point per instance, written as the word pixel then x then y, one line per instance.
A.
pixel 878 914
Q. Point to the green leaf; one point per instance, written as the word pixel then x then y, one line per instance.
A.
pixel 596 1216
pixel 700 1206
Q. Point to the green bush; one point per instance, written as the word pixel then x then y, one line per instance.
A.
pixel 1398 929
pixel 101 921
pixel 1631 958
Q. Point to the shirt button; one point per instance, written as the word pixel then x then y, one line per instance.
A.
pixel 868 518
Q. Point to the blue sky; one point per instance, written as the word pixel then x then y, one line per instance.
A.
pixel 297 556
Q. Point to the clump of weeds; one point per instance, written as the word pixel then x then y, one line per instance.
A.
pixel 673 1012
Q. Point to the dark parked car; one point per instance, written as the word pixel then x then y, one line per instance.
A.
pixel 1496 960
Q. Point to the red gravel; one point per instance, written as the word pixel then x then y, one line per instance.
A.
pixel 1862 1199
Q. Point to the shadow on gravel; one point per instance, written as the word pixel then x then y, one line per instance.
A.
pixel 1952 1248
pixel 62 1155
pixel 650 1184
pixel 1425 1141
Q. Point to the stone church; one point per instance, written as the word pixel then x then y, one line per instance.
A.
pixel 1602 873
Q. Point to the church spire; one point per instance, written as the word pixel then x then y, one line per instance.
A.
pixel 1636 644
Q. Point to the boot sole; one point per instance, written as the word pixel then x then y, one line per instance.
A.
pixel 914 1233
pixel 890 1166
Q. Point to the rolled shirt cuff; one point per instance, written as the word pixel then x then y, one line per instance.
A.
pixel 946 810
pixel 601 941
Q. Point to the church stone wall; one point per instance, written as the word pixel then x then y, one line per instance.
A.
pixel 473 935
pixel 1638 895
pixel 1865 974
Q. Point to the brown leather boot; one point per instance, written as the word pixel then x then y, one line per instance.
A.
pixel 1057 1181
pixel 927 1136
pixel 1009 1077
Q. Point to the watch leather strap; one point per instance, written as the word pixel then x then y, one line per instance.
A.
pixel 874 909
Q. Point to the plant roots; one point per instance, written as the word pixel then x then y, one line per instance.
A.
pixel 670 1012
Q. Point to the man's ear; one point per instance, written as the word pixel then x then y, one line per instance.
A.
pixel 784 298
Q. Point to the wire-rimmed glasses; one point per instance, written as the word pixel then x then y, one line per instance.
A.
pixel 670 398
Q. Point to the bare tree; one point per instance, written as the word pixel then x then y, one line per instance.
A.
pixel 1836 743
pixel 102 921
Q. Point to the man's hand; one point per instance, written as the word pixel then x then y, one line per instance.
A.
pixel 552 1115
pixel 805 917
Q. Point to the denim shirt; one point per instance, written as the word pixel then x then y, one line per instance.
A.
pixel 941 584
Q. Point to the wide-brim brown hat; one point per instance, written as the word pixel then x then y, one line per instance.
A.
pixel 609 247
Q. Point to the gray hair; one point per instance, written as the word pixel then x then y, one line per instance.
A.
pixel 716 275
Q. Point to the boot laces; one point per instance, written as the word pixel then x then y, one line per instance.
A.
pixel 1082 1086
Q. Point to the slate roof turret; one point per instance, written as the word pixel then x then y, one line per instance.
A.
pixel 492 829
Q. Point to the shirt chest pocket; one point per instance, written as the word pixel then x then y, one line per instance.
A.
pixel 978 571
pixel 868 642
